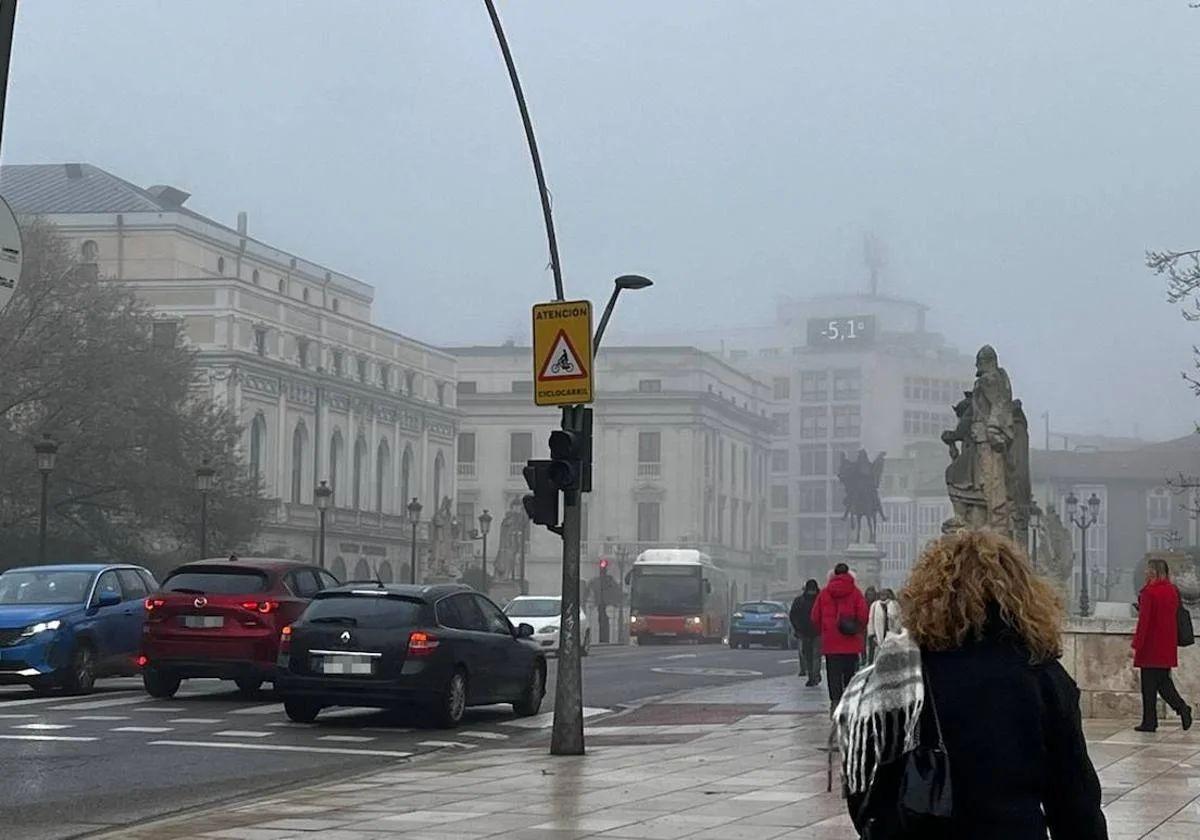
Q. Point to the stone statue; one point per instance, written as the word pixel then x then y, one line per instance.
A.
pixel 1020 486
pixel 860 484
pixel 509 547
pixel 982 478
pixel 1056 554
pixel 442 539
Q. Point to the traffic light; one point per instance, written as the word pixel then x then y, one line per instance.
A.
pixel 604 565
pixel 541 505
pixel 571 452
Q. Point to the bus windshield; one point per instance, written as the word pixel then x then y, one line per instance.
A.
pixel 667 591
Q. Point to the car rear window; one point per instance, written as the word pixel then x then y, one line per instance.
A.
pixel 371 612
pixel 216 581
pixel 760 607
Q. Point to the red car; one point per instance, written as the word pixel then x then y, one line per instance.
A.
pixel 222 618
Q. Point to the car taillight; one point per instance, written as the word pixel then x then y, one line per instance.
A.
pixel 154 603
pixel 142 660
pixel 421 643
pixel 263 607
pixel 285 639
pixel 779 616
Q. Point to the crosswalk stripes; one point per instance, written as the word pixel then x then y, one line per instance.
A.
pixel 241 733
pixel 152 730
pixel 266 709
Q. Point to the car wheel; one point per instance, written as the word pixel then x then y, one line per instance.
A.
pixel 535 689
pixel 161 685
pixel 452 703
pixel 301 711
pixel 81 674
pixel 249 686
pixel 587 644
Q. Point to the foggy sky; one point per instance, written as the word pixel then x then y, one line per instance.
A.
pixel 1016 158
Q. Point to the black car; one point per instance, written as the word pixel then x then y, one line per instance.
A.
pixel 441 647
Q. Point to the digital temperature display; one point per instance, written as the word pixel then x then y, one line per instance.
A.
pixel 837 332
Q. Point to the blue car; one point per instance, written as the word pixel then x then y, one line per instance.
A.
pixel 61 627
pixel 760 623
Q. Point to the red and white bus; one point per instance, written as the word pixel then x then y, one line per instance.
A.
pixel 678 593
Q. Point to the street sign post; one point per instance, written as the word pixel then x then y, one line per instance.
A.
pixel 562 353
pixel 10 254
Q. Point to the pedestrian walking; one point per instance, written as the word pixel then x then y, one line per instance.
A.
pixel 884 621
pixel 1156 646
pixel 808 633
pixel 840 614
pixel 967 726
pixel 868 654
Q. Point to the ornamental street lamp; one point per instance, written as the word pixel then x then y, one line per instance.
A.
pixel 322 495
pixel 47 453
pixel 485 525
pixel 204 484
pixel 414 516
pixel 1083 516
pixel 1035 519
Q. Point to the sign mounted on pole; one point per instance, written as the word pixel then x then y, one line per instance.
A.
pixel 562 353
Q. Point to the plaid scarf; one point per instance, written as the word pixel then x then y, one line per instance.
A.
pixel 876 720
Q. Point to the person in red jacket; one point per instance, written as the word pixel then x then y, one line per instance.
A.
pixel 1156 646
pixel 840 607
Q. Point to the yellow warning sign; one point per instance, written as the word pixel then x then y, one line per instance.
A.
pixel 562 353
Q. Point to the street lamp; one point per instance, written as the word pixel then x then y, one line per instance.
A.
pixel 1083 515
pixel 625 281
pixel 322 495
pixel 485 525
pixel 204 484
pixel 1035 519
pixel 414 516
pixel 47 453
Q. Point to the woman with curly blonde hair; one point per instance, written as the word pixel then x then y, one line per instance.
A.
pixel 976 672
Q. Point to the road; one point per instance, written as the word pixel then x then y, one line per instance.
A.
pixel 75 765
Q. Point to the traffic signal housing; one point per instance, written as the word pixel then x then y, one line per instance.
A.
pixel 541 504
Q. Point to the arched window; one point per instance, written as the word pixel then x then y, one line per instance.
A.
pixel 220 265
pixel 282 285
pixel 360 468
pixel 441 393
pixel 336 454
pixel 362 571
pixel 254 277
pixel 439 467
pixel 299 450
pixel 258 447
pixel 406 463
pixel 383 468
pixel 304 294
pixel 385 572
pixel 89 251
pixel 338 569
pixel 410 381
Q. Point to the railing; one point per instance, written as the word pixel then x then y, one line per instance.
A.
pixel 516 469
pixel 467 470
pixel 649 470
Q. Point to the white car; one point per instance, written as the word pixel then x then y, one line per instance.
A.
pixel 544 613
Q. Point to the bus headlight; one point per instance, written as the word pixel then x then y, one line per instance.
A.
pixel 695 620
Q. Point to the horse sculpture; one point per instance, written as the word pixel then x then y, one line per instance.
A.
pixel 860 482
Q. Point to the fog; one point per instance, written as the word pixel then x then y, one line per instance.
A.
pixel 1016 159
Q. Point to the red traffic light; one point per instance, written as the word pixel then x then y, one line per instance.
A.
pixel 603 563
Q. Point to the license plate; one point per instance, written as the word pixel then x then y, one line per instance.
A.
pixel 203 622
pixel 758 632
pixel 347 665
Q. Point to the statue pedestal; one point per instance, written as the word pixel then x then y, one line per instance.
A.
pixel 866 561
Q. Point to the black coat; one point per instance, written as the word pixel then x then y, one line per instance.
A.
pixel 801 615
pixel 1015 740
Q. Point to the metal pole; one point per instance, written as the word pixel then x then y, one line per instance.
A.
pixel 524 544
pixel 321 548
pixel 544 193
pixel 566 738
pixel 484 565
pixel 42 522
pixel 608 311
pixel 1083 580
pixel 412 568
pixel 8 19
pixel 203 525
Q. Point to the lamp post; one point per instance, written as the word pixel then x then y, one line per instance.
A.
pixel 204 483
pixel 485 525
pixel 322 495
pixel 625 281
pixel 1083 516
pixel 47 453
pixel 414 516
pixel 1035 519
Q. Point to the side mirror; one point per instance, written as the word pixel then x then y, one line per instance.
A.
pixel 524 631
pixel 108 599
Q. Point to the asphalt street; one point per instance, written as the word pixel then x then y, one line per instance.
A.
pixel 75 765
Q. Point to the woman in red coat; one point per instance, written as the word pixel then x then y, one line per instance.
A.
pixel 840 599
pixel 1156 646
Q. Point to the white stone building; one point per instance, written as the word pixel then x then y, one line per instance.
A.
pixel 680 456
pixel 324 393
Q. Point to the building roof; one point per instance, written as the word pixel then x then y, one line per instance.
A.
pixel 52 188
pixel 1156 462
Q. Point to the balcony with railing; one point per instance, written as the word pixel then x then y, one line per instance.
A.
pixel 467 470
pixel 649 470
pixel 516 469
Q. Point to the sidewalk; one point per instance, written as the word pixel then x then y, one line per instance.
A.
pixel 744 761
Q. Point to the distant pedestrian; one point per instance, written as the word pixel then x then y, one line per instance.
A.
pixel 976 672
pixel 840 613
pixel 1156 646
pixel 872 596
pixel 807 632
pixel 884 621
